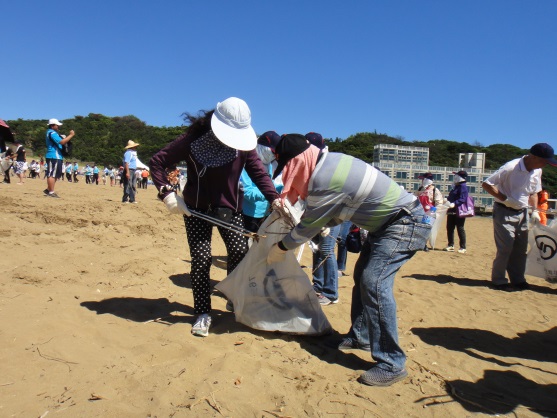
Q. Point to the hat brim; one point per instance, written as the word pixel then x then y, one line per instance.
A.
pixel 243 139
pixel 131 146
pixel 551 161
pixel 280 167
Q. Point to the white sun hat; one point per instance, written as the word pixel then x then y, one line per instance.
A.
pixel 54 122
pixel 231 123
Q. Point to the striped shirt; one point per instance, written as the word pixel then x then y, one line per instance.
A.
pixel 345 188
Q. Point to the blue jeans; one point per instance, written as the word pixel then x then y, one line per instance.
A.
pixel 342 252
pixel 373 310
pixel 325 276
pixel 129 186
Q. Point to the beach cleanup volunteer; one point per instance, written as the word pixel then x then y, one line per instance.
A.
pixel 338 187
pixel 217 145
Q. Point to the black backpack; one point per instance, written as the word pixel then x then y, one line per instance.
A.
pixel 354 240
pixel 66 149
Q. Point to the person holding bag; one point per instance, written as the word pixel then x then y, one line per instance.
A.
pixel 457 196
pixel 216 146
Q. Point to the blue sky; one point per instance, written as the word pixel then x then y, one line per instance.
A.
pixel 471 71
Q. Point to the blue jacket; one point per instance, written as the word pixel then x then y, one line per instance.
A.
pixel 458 194
pixel 255 204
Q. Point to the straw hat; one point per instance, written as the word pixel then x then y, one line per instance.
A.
pixel 131 144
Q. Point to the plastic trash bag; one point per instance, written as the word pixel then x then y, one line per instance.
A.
pixel 276 297
pixel 440 215
pixel 541 260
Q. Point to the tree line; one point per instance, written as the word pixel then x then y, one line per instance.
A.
pixel 101 139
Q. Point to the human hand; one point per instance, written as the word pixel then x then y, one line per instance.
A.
pixel 325 232
pixel 276 255
pixel 451 205
pixel 281 208
pixel 535 217
pixel 427 207
pixel 175 204
pixel 72 132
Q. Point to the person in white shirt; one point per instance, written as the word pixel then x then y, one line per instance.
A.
pixel 514 185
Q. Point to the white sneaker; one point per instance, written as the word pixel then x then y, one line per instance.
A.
pixel 201 326
pixel 462 251
pixel 450 249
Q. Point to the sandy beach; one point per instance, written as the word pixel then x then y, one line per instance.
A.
pixel 96 311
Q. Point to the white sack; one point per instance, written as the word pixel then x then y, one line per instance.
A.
pixel 542 258
pixel 276 297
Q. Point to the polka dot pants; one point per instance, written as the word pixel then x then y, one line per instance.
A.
pixel 199 234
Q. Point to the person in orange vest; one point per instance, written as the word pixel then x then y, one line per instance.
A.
pixel 543 206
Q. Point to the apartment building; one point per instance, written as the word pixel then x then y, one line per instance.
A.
pixel 404 164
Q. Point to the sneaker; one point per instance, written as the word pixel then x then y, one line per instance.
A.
pixel 351 344
pixel 450 249
pixel 379 377
pixel 53 194
pixel 462 251
pixel 201 325
pixel 45 191
pixel 324 300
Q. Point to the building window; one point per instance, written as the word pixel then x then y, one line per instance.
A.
pixel 472 189
pixel 401 174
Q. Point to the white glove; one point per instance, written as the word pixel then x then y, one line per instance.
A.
pixel 325 232
pixel 451 205
pixel 276 255
pixel 535 217
pixel 427 207
pixel 277 205
pixel 175 204
pixel 512 203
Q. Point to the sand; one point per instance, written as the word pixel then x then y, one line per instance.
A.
pixel 96 312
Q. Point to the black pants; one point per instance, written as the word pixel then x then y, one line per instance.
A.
pixel 454 221
pixel 7 175
pixel 199 234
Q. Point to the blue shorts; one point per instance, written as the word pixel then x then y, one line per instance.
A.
pixel 53 168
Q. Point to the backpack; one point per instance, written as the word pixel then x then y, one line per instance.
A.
pixel 65 149
pixel 354 240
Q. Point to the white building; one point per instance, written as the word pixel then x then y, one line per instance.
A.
pixel 404 164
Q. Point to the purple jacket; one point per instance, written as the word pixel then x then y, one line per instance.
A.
pixel 215 186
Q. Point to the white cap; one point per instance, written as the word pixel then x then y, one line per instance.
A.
pixel 54 122
pixel 231 124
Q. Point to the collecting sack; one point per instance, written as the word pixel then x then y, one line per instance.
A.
pixel 541 260
pixel 466 210
pixel 354 239
pixel 275 297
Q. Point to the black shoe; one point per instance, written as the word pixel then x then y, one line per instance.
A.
pixel 45 191
pixel 521 286
pixel 505 287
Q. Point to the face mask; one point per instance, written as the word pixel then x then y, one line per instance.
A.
pixel 427 182
pixel 457 179
pixel 265 154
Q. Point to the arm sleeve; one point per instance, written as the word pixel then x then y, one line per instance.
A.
pixel 260 176
pixel 462 196
pixel 251 192
pixel 321 211
pixel 169 156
